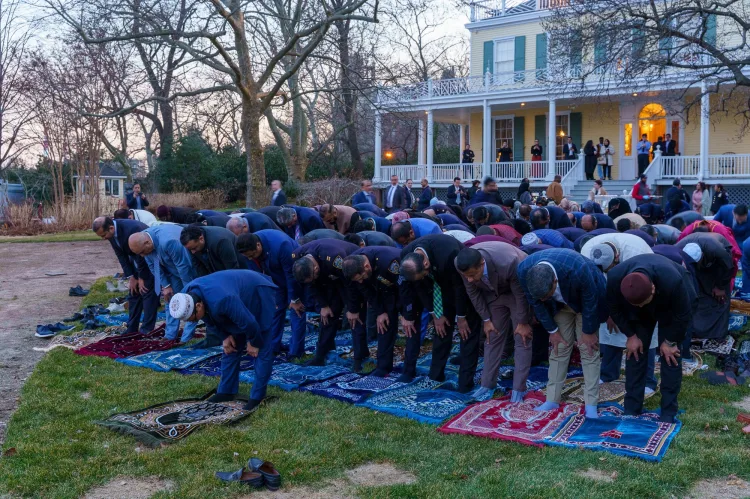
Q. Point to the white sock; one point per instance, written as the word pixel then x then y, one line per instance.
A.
pixel 548 406
pixel 591 412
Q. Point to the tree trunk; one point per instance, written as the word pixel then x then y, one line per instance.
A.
pixel 352 140
pixel 256 191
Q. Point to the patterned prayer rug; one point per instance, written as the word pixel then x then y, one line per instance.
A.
pixel 128 345
pixel 352 388
pixel 737 322
pixel 612 391
pixel 177 358
pixel 716 347
pixel 80 339
pixel 172 421
pixel 212 366
pixel 291 376
pixel 421 400
pixel 638 437
pixel 503 420
pixel 537 380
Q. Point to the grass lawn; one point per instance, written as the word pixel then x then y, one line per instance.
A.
pixel 61 453
pixel 57 237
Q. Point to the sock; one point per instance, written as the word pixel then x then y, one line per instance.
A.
pixel 481 392
pixel 405 378
pixel 591 412
pixel 251 404
pixel 221 397
pixel 548 406
pixel 517 396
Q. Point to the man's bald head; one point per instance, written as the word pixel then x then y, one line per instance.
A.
pixel 237 225
pixel 589 223
pixel 140 243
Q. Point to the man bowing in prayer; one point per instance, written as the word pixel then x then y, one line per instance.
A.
pixel 236 304
pixel 642 292
pixel 567 293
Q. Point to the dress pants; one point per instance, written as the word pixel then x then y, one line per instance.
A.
pixel 230 367
pixel 441 349
pixel 570 326
pixel 745 262
pixel 635 381
pixel 327 337
pixel 146 304
pixel 386 342
pixel 371 323
pixel 642 163
pixel 299 325
pixel 495 346
pixel 612 361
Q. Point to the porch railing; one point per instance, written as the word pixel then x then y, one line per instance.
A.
pixel 680 166
pixel 515 171
pixel 414 172
pixel 564 166
pixel 573 175
pixel 446 172
pixel 728 165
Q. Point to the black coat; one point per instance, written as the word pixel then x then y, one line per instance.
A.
pixel 451 194
pixel 220 220
pixel 603 221
pixel 719 200
pixel 219 253
pixel 672 306
pixel 280 199
pixel 716 267
pixel 381 290
pixel 441 251
pixel 133 203
pixel 180 215
pixel 558 219
pixel 401 199
pixel 259 221
pixel 329 254
pixel 132 264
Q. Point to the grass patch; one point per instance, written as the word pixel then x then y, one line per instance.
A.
pixel 313 440
pixel 57 237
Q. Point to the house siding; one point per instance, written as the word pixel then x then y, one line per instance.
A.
pixel 478 37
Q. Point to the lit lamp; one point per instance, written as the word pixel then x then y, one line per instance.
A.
pixel 562 133
pixel 388 155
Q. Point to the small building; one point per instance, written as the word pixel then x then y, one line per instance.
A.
pixel 111 182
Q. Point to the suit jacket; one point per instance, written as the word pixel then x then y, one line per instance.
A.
pixel 219 253
pixel 316 234
pixel 364 197
pixel 572 233
pixel 180 215
pixel 669 148
pixel 725 215
pixel 375 238
pixel 502 260
pixel 400 199
pixel 486 197
pixel 441 251
pixel 219 220
pixel 672 307
pixel 276 261
pixel 452 195
pixel 570 151
pixel 715 268
pixel 343 219
pixel 554 238
pixel 371 207
pixel 329 254
pixel 174 260
pixel 237 303
pixel 558 219
pixel 258 221
pixel 424 198
pixel 603 221
pixel 132 264
pixel 497 214
pixel 381 290
pixel 581 284
pixel 307 218
pixel 270 211
pixel 133 202
pixel 280 199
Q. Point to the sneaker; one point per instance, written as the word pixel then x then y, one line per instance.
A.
pixel 78 291
pixel 75 317
pixel 43 331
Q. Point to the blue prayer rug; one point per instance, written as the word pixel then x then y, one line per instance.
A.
pixel 640 437
pixel 177 358
pixel 212 366
pixel 352 388
pixel 451 371
pixel 537 380
pixel 420 400
pixel 737 322
pixel 291 376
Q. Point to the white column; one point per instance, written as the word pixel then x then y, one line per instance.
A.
pixel 378 148
pixel 705 124
pixel 461 140
pixel 420 146
pixel 551 140
pixel 430 144
pixel 486 140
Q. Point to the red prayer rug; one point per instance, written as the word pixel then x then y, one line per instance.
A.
pixel 128 345
pixel 504 420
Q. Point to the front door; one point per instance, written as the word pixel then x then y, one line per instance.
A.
pixel 627 163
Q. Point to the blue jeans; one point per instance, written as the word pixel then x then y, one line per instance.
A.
pixel 299 326
pixel 230 368
pixel 745 262
pixel 612 360
pixel 599 170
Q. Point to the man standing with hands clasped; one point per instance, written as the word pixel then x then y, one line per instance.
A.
pixel 642 292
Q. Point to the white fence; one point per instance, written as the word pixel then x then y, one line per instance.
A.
pixel 680 166
pixel 728 165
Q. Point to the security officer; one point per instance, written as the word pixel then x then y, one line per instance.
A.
pixel 319 266
pixel 375 270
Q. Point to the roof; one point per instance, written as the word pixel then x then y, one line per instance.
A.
pixel 527 6
pixel 106 171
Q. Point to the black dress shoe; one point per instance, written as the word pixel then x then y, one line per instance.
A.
pixel 357 365
pixel 405 378
pixel 251 405
pixel 78 291
pixel 316 361
pixel 252 478
pixel 271 476
pixel 379 373
pixel 220 397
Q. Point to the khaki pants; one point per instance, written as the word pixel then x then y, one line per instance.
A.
pixel 495 346
pixel 570 327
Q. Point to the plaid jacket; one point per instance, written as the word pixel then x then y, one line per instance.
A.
pixel 582 286
pixel 553 238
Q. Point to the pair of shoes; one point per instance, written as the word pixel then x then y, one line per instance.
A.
pixel 251 478
pixel 119 300
pixel 75 317
pixel 78 291
pixel 271 476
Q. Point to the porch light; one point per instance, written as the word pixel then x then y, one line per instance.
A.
pixel 388 155
pixel 562 133
pixel 635 95
pixel 523 104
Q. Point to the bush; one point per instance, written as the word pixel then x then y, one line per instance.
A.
pixel 206 199
pixel 192 166
pixel 334 191
pixel 23 219
pixel 273 160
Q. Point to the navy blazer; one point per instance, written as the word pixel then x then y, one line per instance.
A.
pixel 363 197
pixel 602 221
pixel 424 198
pixel 210 213
pixel 329 254
pixel 451 195
pixel 132 264
pixel 259 221
pixel 133 202
pixel 401 199
pixel 307 218
pixel 370 207
pixel 280 199
pixel 381 290
pixel 486 197
pixel 276 260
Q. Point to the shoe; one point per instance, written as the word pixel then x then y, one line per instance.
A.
pixel 111 287
pixel 44 331
pixel 316 361
pixel 78 291
pixel 480 393
pixel 357 365
pixel 252 478
pixel 251 405
pixel 59 326
pixel 119 300
pixel 75 317
pixel 405 378
pixel 271 476
pixel 115 308
pixel 379 373
pixel 220 397
pixel 649 391
pixel 93 324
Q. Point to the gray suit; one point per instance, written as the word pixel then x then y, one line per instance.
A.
pixel 499 297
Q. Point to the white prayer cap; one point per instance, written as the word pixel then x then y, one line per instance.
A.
pixel 529 239
pixel 181 306
pixel 693 251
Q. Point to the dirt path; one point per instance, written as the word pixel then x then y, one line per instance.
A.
pixel 28 298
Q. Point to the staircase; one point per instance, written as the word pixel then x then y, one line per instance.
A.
pixel 580 192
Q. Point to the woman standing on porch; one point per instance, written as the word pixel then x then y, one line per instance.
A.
pixel 536 155
pixel 609 154
pixel 590 159
pixel 504 153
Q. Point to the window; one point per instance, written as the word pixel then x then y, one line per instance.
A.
pixel 628 149
pixel 504 56
pixel 112 186
pixel 503 133
pixel 562 127
pixel 576 55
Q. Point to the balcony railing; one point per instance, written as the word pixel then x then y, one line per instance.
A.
pixel 680 166
pixel 728 165
pixel 490 9
pixel 512 171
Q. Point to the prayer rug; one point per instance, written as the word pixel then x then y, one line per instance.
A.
pixel 502 419
pixel 352 388
pixel 77 340
pixel 739 306
pixel 723 378
pixel 112 320
pixel 421 400
pixel 638 437
pixel 177 358
pixel 172 421
pixel 611 391
pixel 128 345
pixel 212 366
pixel 537 380
pixel 291 376
pixel 716 347
pixel 451 370
pixel 737 322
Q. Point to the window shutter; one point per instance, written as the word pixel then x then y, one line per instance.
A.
pixel 518 139
pixel 638 43
pixel 600 49
pixel 540 132
pixel 710 37
pixel 576 129
pixel 576 52
pixel 488 63
pixel 541 55
pixel 519 63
